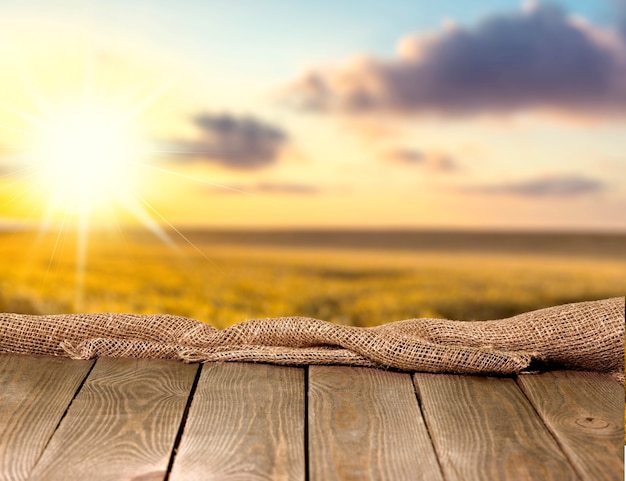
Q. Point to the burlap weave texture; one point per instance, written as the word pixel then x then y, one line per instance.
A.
pixel 585 335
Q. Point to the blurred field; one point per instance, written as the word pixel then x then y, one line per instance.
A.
pixel 357 278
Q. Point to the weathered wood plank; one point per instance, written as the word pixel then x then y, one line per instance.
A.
pixel 246 421
pixel 366 424
pixel 122 424
pixel 34 394
pixel 485 428
pixel 584 412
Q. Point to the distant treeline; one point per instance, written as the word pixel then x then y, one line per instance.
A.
pixel 611 245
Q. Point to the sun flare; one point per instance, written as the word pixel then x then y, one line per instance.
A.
pixel 80 123
pixel 86 155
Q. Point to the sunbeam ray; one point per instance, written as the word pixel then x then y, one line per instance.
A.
pixel 60 232
pixel 150 97
pixel 32 94
pixel 136 209
pixel 26 116
pixel 81 258
pixel 18 180
pixel 19 131
pixel 17 196
pixel 12 173
pixel 182 236
pixel 190 177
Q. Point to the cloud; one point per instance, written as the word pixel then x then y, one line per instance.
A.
pixel 556 186
pixel 234 142
pixel 271 188
pixel 432 161
pixel 537 58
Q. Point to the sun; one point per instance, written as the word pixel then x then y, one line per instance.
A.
pixel 85 156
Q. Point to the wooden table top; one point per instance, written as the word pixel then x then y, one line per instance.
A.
pixel 147 420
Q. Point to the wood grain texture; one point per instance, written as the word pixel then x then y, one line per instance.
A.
pixel 122 424
pixel 484 428
pixel 366 424
pixel 246 422
pixel 584 411
pixel 34 394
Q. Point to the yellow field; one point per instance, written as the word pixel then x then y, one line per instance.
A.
pixel 462 277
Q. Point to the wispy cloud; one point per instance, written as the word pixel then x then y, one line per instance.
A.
pixel 539 57
pixel 555 186
pixel 233 142
pixel 431 161
pixel 279 188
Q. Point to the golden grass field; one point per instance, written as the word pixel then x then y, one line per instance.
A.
pixel 356 278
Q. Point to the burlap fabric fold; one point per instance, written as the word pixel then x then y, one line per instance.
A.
pixel 586 336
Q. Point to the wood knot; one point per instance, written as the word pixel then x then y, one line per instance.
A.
pixel 592 423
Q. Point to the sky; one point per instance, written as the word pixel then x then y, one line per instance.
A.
pixel 277 114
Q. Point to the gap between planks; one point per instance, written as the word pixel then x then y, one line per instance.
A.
pixel 35 393
pixel 183 423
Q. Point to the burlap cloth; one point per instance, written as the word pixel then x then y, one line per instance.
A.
pixel 585 335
